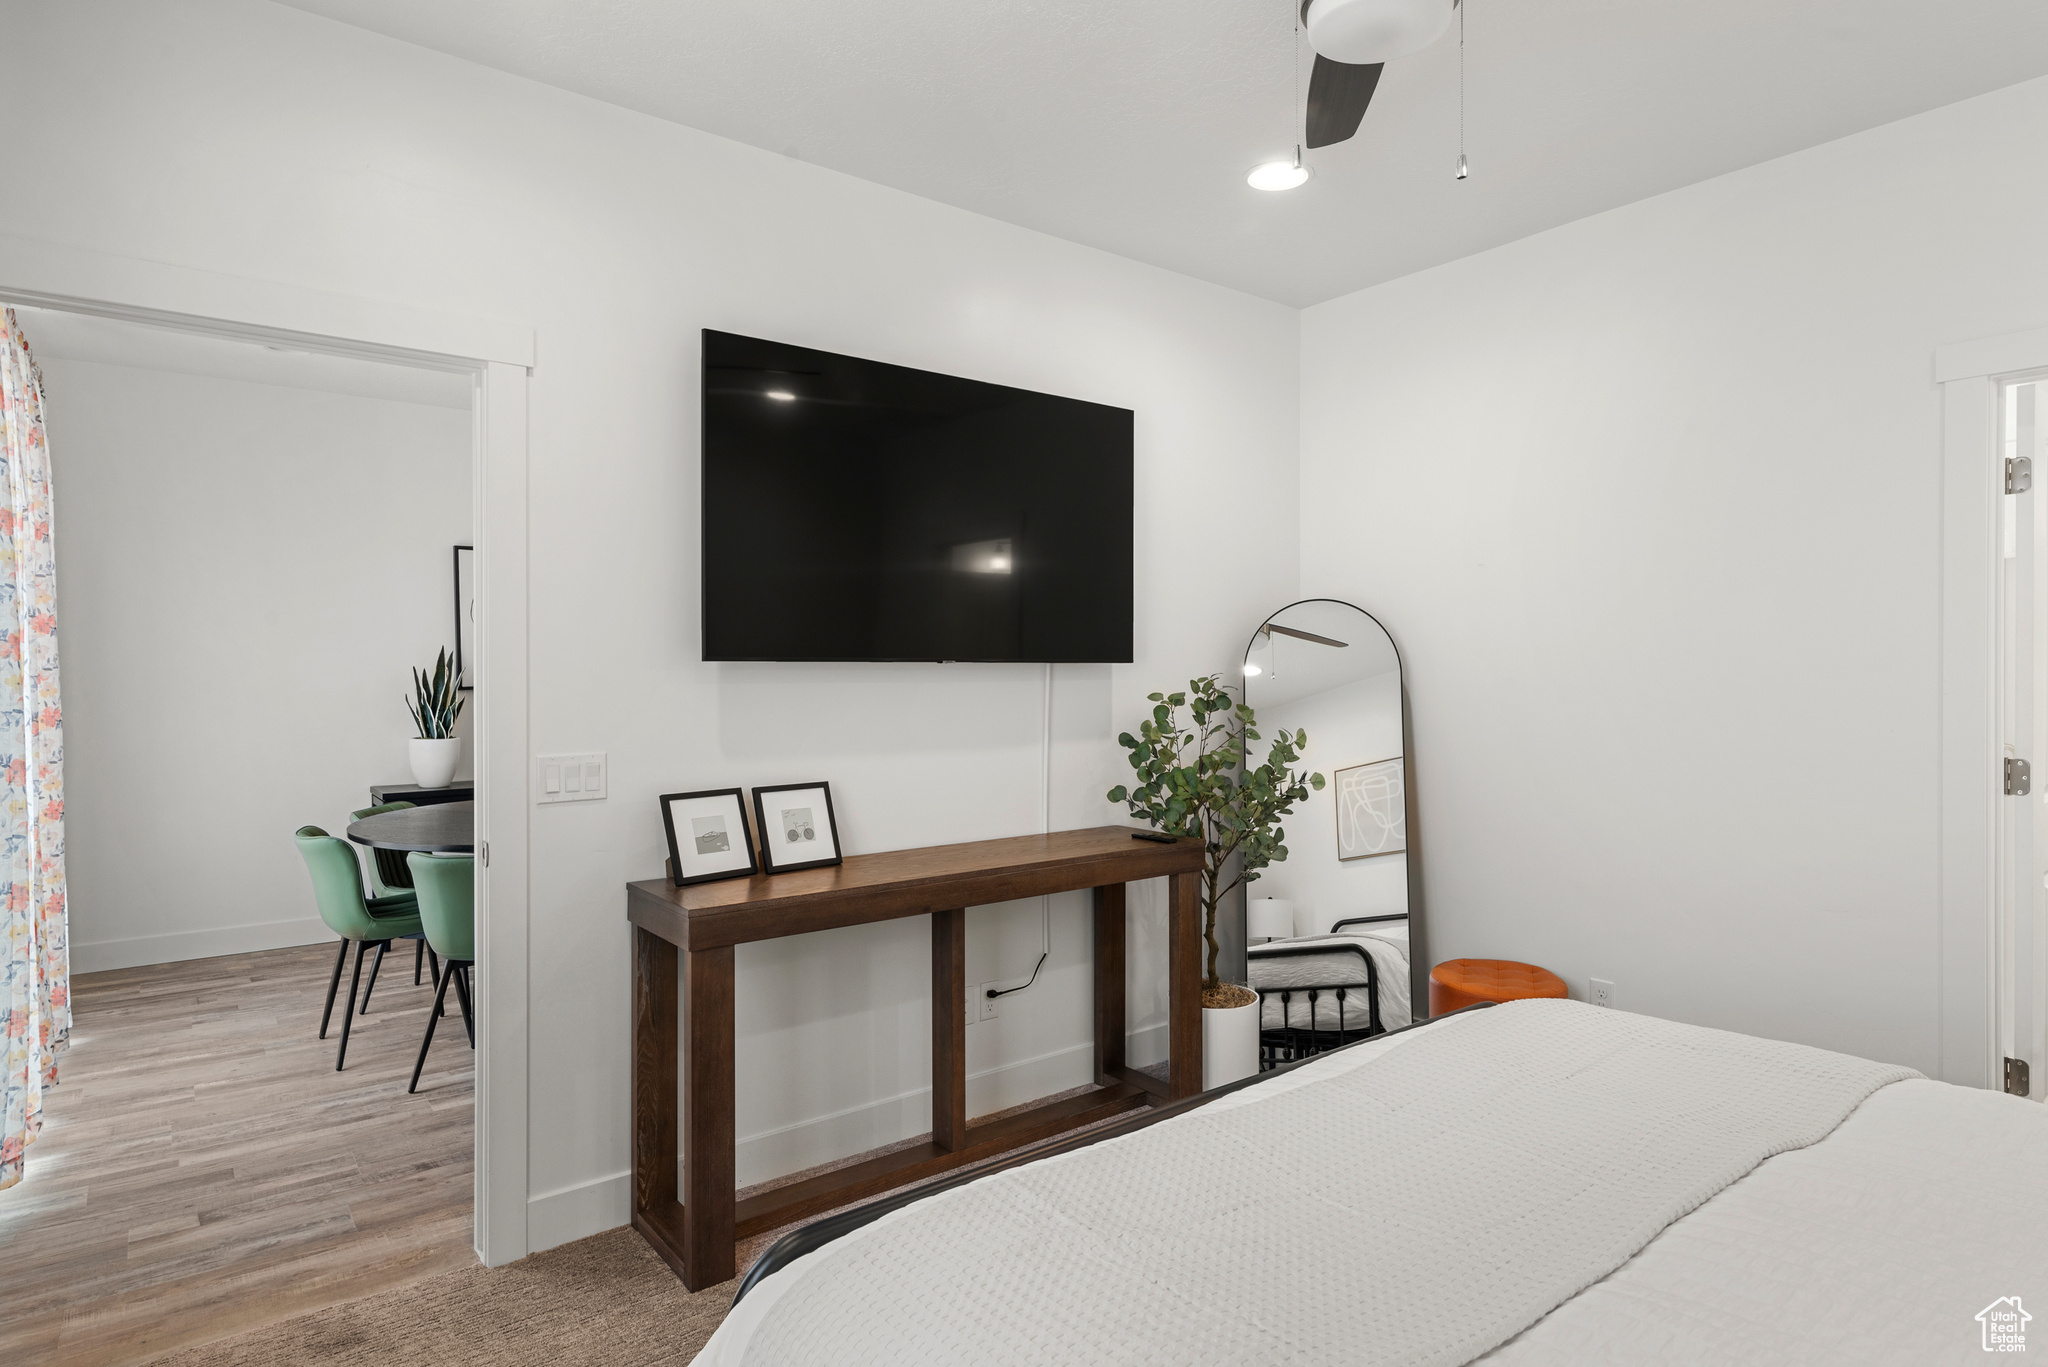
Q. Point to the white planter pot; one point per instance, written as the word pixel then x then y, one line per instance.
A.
pixel 1230 1043
pixel 433 761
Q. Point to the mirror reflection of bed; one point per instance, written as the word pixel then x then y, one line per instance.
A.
pixel 1327 929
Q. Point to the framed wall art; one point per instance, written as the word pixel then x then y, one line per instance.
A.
pixel 465 616
pixel 1372 809
pixel 707 836
pixel 797 827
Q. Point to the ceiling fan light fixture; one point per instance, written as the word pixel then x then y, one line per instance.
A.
pixel 1362 32
pixel 1279 175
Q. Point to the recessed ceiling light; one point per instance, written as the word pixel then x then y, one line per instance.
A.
pixel 783 394
pixel 1278 175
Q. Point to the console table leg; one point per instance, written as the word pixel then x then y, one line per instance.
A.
pixel 949 1029
pixel 1111 1023
pixel 655 1212
pixel 1184 985
pixel 708 1197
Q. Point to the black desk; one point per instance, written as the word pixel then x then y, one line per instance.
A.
pixel 421 797
pixel 445 828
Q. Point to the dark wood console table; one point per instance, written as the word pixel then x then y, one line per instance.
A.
pixel 695 929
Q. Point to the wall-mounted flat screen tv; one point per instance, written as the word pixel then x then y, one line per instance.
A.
pixel 861 511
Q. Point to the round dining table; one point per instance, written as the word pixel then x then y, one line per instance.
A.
pixel 443 828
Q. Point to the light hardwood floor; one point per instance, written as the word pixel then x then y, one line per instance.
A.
pixel 203 1169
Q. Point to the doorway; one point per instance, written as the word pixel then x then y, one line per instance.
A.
pixel 491 359
pixel 252 546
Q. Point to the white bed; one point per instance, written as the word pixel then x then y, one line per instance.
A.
pixel 1385 941
pixel 1540 1183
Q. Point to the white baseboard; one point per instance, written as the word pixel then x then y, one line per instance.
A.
pixel 1143 1048
pixel 179 945
pixel 560 1217
pixel 820 1139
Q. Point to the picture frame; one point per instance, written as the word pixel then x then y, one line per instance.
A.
pixel 796 826
pixel 1372 808
pixel 465 616
pixel 707 836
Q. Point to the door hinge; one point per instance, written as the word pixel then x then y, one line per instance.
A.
pixel 2019 474
pixel 2016 1077
pixel 484 847
pixel 2019 778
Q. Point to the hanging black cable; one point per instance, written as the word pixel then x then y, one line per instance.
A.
pixel 993 993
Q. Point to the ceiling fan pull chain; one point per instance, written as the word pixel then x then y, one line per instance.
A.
pixel 1462 172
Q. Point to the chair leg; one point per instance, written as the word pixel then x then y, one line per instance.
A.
pixel 346 1016
pixel 333 983
pixel 434 967
pixel 375 964
pixel 460 972
pixel 419 952
pixel 440 991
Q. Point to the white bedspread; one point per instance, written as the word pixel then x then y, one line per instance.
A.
pixel 1878 1245
pixel 1539 1144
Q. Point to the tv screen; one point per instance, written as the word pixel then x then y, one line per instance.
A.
pixel 861 511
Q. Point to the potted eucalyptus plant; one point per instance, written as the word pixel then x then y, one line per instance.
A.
pixel 1195 777
pixel 435 704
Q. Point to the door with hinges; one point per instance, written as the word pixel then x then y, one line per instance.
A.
pixel 2020 964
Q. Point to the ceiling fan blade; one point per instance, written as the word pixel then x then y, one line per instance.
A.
pixel 1338 93
pixel 1272 627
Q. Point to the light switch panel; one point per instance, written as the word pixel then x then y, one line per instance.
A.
pixel 568 778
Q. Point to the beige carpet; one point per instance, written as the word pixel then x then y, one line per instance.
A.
pixel 607 1300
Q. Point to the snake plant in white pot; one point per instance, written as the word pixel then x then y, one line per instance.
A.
pixel 435 704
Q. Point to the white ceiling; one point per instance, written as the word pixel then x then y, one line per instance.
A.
pixel 1130 126
pixel 55 335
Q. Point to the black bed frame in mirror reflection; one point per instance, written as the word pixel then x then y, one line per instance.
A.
pixel 1288 1042
pixel 1356 992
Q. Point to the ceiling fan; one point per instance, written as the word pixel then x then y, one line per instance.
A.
pixel 1353 41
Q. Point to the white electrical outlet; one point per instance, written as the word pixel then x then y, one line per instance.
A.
pixel 1601 993
pixel 985 1004
pixel 569 778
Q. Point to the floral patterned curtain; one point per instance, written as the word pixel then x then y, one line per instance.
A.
pixel 35 960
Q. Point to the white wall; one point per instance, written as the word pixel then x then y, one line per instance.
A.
pixel 246 573
pixel 1356 723
pixel 245 138
pixel 1650 502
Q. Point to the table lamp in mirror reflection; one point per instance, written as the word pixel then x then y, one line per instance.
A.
pixel 1269 918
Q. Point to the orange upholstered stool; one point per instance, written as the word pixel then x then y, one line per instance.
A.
pixel 1463 982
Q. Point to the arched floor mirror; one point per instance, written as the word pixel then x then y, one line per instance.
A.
pixel 1332 944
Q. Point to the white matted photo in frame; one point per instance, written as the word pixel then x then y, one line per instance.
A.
pixel 797 827
pixel 1372 809
pixel 707 836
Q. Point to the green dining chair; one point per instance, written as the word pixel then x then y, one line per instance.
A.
pixel 446 884
pixel 358 920
pixel 389 877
